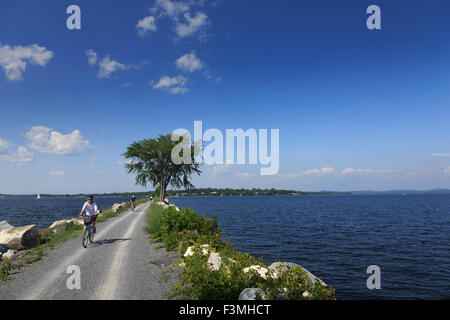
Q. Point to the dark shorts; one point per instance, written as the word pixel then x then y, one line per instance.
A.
pixel 89 219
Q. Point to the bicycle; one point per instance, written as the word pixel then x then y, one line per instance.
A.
pixel 88 233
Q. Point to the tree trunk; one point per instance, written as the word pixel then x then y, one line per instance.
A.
pixel 162 191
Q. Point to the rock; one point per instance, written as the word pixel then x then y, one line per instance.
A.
pixel 176 208
pixel 166 200
pixel 261 271
pixel 306 294
pixel 77 221
pixel 116 207
pixel 60 225
pixel 3 248
pixel 252 293
pixel 278 267
pixel 43 233
pixel 214 261
pixel 204 250
pixel 162 204
pixel 4 225
pixel 19 238
pixel 9 255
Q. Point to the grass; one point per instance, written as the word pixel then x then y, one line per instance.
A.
pixel 153 218
pixel 53 239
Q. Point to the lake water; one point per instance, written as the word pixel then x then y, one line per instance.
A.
pixel 338 237
pixel 334 237
pixel 42 212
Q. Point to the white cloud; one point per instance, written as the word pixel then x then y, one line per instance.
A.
pixel 244 174
pixel 146 25
pixel 57 173
pixel 192 25
pixel 325 170
pixel 4 145
pixel 108 66
pixel 45 140
pixel 179 12
pixel 22 155
pixel 14 60
pixel 173 85
pixel 92 57
pixel 351 171
pixel 189 62
pixel 440 155
pixel 171 8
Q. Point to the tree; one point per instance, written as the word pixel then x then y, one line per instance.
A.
pixel 150 160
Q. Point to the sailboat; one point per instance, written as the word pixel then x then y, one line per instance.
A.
pixel 38 196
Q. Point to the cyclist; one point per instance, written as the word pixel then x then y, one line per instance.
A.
pixel 133 202
pixel 91 210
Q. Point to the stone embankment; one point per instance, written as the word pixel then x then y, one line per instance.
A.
pixel 14 240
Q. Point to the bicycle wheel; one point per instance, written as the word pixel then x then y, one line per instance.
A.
pixel 85 238
pixel 91 236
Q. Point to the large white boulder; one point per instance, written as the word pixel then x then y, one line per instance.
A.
pixel 19 238
pixel 60 225
pixel 9 255
pixel 252 293
pixel 162 204
pixel 214 261
pixel 78 221
pixel 4 225
pixel 261 271
pixel 116 207
pixel 203 250
pixel 277 267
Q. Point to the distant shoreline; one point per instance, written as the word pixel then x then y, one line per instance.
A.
pixel 205 192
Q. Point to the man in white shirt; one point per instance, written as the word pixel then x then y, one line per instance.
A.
pixel 91 210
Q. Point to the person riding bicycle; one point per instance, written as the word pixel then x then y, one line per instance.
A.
pixel 133 202
pixel 91 210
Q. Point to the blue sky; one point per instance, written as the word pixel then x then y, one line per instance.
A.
pixel 357 109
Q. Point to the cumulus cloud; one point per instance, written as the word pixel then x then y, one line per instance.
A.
pixel 171 8
pixel 57 173
pixel 46 140
pixel 186 23
pixel 189 62
pixel 14 60
pixel 146 25
pixel 174 85
pixel 20 156
pixel 192 24
pixel 92 57
pixel 108 66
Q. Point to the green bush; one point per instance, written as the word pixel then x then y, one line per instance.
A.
pixel 180 229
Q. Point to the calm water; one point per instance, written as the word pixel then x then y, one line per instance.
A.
pixel 42 212
pixel 334 237
pixel 338 237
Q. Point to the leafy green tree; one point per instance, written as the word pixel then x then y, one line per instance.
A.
pixel 151 161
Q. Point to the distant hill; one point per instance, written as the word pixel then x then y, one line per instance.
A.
pixel 433 191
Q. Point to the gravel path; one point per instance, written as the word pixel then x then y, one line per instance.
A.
pixel 121 264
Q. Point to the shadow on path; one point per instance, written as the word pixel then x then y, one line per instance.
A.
pixel 108 241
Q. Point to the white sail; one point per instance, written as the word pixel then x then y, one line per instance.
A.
pixel 38 196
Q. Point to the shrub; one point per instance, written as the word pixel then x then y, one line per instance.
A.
pixel 180 229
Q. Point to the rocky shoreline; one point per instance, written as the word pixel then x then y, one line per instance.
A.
pixel 14 241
